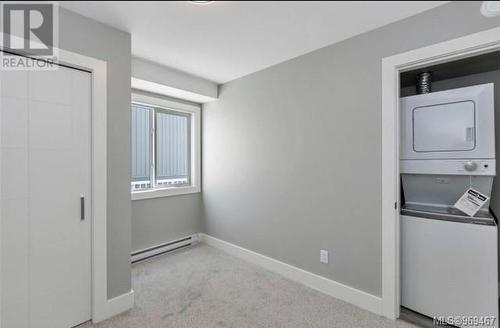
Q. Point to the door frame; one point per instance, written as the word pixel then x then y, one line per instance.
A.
pixel 101 307
pixel 462 47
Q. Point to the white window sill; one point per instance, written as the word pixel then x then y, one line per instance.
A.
pixel 166 192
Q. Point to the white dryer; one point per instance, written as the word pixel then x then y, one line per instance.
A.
pixel 452 124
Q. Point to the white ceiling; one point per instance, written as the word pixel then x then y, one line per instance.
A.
pixel 224 40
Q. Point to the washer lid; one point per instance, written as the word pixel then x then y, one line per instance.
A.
pixel 447 214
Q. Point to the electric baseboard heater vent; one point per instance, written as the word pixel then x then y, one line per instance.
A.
pixel 161 249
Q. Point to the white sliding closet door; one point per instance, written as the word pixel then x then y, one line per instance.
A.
pixel 45 170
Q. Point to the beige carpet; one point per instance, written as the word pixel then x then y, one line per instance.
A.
pixel 204 287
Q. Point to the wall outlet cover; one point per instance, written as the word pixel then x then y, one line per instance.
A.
pixel 323 256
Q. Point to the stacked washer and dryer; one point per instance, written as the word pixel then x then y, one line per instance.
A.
pixel 449 260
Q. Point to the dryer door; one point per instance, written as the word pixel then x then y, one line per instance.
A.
pixel 444 127
pixel 451 124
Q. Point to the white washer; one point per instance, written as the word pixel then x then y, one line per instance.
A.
pixel 449 269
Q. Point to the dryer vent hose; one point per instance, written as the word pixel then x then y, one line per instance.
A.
pixel 424 81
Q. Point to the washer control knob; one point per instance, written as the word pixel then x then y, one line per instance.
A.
pixel 470 166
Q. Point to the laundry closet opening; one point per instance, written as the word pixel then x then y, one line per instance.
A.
pixel 449 141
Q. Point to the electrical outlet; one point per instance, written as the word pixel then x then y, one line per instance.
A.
pixel 323 256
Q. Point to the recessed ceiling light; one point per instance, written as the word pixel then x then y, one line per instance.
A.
pixel 201 2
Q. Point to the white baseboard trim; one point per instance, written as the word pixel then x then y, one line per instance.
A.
pixel 332 288
pixel 115 306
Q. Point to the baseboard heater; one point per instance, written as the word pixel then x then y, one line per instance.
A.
pixel 170 246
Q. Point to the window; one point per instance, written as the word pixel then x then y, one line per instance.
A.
pixel 165 147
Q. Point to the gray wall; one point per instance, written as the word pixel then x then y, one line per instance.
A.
pixel 159 220
pixel 88 37
pixel 292 154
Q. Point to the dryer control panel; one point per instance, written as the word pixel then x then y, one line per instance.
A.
pixel 451 167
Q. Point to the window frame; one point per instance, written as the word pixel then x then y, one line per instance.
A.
pixel 195 146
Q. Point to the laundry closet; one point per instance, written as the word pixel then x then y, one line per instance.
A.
pixel 450 193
